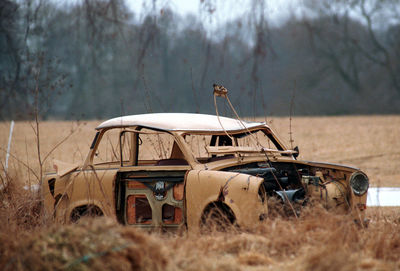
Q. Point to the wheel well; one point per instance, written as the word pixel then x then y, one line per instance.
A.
pixel 220 207
pixel 89 210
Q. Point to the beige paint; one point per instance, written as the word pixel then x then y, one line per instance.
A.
pixel 180 122
pixel 82 187
pixel 91 184
pixel 240 194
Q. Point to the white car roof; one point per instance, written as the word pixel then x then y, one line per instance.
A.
pixel 187 122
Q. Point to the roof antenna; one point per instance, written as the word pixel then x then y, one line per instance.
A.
pixel 221 91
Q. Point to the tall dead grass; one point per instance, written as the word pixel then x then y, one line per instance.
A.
pixel 90 245
pixel 367 142
pixel 319 240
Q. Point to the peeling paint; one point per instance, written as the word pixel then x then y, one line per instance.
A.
pixel 248 183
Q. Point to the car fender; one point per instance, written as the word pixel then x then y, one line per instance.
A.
pixel 72 205
pixel 238 191
pixel 83 187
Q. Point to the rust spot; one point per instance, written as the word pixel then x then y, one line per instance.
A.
pixel 136 185
pixel 178 191
pixel 221 196
pixel 171 214
pixel 224 190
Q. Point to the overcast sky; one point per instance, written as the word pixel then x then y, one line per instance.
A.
pixel 277 10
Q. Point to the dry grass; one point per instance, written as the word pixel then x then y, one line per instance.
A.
pixel 370 143
pixel 89 245
pixel 317 241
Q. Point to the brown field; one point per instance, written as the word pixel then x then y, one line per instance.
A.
pixel 371 143
pixel 317 241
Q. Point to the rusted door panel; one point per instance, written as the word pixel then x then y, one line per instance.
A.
pixel 162 190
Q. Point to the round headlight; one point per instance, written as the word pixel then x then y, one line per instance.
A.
pixel 359 183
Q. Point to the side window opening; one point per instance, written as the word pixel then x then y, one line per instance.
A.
pixel 144 147
pixel 160 149
pixel 116 145
pixel 108 149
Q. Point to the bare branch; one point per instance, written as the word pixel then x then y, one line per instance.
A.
pixel 58 144
pixel 23 163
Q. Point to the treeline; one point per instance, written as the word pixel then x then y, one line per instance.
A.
pixel 98 59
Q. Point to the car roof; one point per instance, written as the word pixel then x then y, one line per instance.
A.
pixel 186 122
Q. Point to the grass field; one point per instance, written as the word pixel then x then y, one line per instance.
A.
pixel 371 143
pixel 317 241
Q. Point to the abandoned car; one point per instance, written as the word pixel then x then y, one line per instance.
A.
pixel 168 170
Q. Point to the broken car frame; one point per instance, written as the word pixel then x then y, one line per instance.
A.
pixel 167 170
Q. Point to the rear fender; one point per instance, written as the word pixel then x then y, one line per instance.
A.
pixel 83 187
pixel 71 206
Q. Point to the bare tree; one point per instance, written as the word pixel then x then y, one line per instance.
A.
pixel 335 35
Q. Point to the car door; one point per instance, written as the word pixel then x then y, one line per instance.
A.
pixel 150 186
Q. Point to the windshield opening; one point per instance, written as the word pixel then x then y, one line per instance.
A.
pixel 209 148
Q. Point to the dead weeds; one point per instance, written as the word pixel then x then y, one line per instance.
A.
pixel 318 240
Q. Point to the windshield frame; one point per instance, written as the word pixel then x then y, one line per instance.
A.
pixel 280 147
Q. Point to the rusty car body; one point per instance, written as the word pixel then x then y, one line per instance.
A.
pixel 168 170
